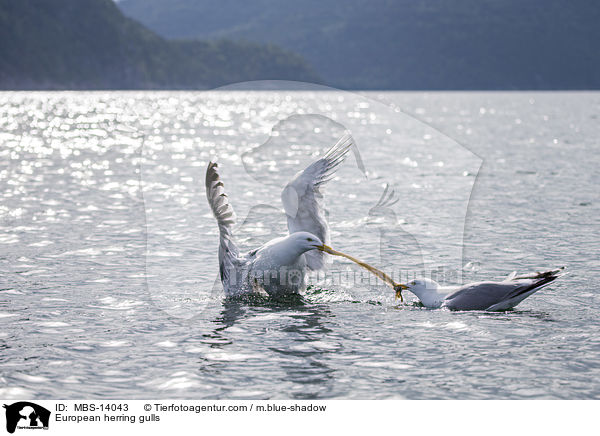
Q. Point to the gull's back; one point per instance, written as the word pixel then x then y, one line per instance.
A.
pixel 480 295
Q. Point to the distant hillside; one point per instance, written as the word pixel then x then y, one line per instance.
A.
pixel 407 44
pixel 62 44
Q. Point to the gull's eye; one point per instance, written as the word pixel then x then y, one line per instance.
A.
pixel 309 239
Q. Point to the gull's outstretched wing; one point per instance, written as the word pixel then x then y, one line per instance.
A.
pixel 498 295
pixel 219 203
pixel 302 199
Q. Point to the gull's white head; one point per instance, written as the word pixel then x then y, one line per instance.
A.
pixel 422 287
pixel 306 241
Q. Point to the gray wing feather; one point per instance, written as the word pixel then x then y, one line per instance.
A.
pixel 480 295
pixel 223 212
pixel 302 198
pixel 484 295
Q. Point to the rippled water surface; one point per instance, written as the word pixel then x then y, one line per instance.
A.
pixel 108 270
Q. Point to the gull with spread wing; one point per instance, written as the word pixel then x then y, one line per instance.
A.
pixel 278 267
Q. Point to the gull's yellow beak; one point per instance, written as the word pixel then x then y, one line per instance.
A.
pixel 327 249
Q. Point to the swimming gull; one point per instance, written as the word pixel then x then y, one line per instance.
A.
pixel 278 267
pixel 490 296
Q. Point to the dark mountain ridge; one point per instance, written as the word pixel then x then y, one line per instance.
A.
pixel 406 44
pixel 90 44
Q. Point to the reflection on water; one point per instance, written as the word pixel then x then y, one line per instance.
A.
pixel 301 357
pixel 108 270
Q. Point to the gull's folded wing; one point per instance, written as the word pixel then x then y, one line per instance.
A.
pixel 499 295
pixel 480 295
